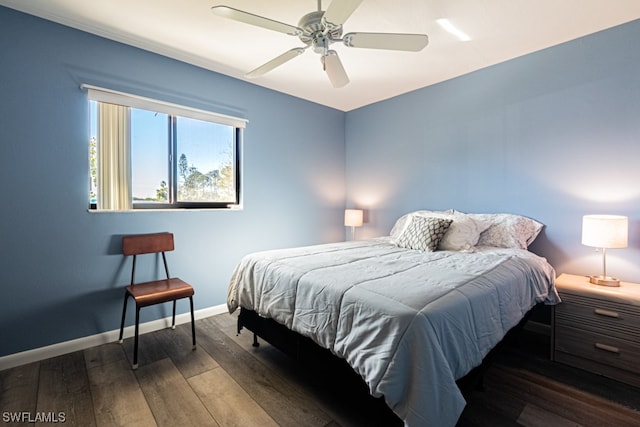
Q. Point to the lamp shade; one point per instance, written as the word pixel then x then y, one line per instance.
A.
pixel 605 231
pixel 353 217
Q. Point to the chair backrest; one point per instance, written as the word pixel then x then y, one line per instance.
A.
pixel 140 244
pixel 147 243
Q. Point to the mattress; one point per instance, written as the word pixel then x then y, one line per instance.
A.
pixel 410 323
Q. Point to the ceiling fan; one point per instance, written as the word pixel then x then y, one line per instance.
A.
pixel 318 30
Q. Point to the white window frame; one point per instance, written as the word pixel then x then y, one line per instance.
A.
pixel 135 101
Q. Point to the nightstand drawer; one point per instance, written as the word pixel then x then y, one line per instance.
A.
pixel 597 328
pixel 599 348
pixel 598 316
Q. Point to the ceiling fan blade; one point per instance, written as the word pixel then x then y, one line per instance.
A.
pixel 258 21
pixel 275 62
pixel 335 70
pixel 390 41
pixel 339 11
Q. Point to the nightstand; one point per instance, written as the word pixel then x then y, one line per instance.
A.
pixel 597 328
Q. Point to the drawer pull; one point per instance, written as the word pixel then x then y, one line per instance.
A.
pixel 608 313
pixel 609 348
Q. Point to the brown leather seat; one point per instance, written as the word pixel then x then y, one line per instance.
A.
pixel 157 291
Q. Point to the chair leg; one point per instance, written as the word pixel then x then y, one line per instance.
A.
pixel 193 323
pixel 135 342
pixel 173 317
pixel 124 312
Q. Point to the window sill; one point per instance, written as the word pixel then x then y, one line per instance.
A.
pixel 229 209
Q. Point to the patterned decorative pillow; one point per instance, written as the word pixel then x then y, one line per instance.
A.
pixel 403 221
pixel 423 233
pixel 463 234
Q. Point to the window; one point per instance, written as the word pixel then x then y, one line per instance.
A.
pixel 146 154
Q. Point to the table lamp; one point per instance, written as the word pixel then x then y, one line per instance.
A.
pixel 353 219
pixel 606 232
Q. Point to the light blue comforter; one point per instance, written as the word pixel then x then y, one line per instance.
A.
pixel 410 323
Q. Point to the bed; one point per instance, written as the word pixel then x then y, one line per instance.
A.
pixel 412 312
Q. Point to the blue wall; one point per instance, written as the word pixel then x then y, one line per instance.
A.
pixel 60 267
pixel 552 135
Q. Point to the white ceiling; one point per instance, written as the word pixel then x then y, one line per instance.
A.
pixel 187 30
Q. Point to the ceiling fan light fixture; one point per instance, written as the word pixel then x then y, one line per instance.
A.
pixel 320 44
pixel 318 30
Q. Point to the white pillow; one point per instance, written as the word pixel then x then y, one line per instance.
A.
pixel 423 233
pixel 463 233
pixel 507 230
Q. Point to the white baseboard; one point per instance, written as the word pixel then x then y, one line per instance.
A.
pixel 37 354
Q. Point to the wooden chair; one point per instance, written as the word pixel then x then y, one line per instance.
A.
pixel 157 291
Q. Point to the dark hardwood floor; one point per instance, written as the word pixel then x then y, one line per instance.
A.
pixel 228 382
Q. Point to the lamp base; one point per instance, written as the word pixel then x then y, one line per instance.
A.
pixel 604 281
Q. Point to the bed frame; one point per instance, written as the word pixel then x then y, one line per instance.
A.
pixel 307 352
